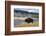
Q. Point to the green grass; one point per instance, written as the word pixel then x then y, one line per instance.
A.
pixel 35 24
pixel 28 25
pixel 35 16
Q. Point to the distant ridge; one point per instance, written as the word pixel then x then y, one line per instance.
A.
pixel 23 11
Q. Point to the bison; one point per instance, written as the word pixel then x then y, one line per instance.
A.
pixel 29 20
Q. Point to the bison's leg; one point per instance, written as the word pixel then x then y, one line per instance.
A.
pixel 32 21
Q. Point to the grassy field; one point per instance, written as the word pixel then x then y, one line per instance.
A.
pixel 35 16
pixel 28 25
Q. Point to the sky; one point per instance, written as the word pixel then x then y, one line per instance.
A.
pixel 29 10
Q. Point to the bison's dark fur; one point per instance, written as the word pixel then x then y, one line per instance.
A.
pixel 29 20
